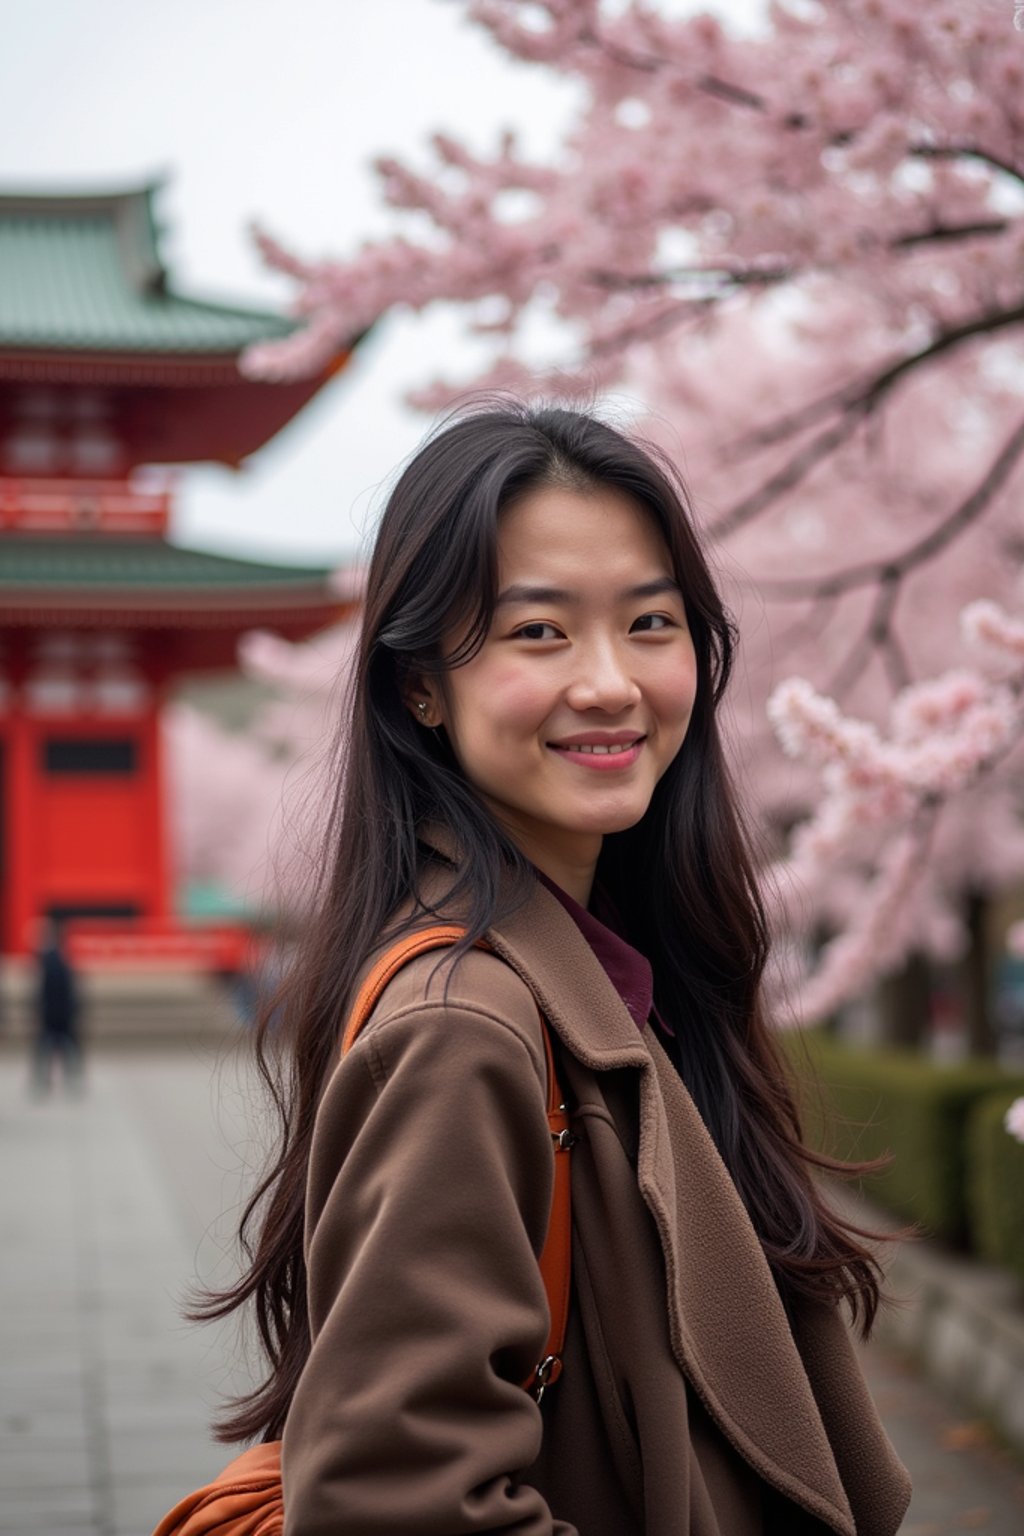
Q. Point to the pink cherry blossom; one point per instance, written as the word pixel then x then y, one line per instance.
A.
pixel 246 803
pixel 1014 1121
pixel 801 253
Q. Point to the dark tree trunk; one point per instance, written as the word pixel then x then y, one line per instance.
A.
pixel 974 968
pixel 904 1004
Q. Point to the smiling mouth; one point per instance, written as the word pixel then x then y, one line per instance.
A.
pixel 603 749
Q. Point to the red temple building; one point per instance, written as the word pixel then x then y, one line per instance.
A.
pixel 106 371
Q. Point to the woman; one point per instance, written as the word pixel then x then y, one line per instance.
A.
pixel 532 753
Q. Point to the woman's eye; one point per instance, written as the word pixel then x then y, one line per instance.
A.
pixel 651 621
pixel 538 632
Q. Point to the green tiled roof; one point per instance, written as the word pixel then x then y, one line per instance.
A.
pixel 103 561
pixel 84 272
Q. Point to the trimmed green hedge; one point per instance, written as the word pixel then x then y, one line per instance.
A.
pixel 880 1101
pixel 995 1183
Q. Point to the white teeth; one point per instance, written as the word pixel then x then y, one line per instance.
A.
pixel 625 746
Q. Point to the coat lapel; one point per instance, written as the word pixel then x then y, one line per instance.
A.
pixel 730 1337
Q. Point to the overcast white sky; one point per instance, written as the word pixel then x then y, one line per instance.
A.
pixel 271 109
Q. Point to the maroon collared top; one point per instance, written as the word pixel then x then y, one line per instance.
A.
pixel 626 968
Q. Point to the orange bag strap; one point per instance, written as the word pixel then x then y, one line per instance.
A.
pixel 556 1256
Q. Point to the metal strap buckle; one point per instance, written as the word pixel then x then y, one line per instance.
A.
pixel 543 1375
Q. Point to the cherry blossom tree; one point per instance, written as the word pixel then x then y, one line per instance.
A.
pixel 885 798
pixel 224 803
pixel 803 250
pixel 246 803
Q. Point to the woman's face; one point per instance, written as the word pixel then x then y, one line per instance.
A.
pixel 581 694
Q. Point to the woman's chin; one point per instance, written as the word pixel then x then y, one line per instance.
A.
pixel 619 820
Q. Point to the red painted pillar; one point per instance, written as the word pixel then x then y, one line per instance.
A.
pixel 161 894
pixel 6 827
pixel 22 810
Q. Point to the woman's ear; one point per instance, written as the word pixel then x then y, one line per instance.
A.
pixel 421 697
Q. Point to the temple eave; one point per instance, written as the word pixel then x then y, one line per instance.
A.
pixel 145 613
pixel 171 370
pixel 176 410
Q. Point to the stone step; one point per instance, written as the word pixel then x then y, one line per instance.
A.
pixel 159 1007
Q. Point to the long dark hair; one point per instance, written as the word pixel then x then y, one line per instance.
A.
pixel 684 874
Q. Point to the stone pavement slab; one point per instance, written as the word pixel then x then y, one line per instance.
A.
pixel 112 1204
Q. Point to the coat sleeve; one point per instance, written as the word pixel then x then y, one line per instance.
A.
pixel 430 1189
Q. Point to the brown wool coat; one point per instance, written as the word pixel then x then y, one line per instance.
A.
pixel 687 1407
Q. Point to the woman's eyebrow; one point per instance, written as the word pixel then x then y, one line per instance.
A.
pixel 523 593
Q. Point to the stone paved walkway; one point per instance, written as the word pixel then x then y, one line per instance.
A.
pixel 111 1204
pixel 963 1479
pixel 107 1212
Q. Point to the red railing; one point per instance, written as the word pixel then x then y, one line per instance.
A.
pixel 94 506
pixel 148 945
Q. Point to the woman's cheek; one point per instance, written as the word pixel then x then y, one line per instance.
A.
pixel 517 698
pixel 675 701
pixel 680 684
pixel 497 708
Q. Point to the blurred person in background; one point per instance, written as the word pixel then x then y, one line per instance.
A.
pixel 57 1013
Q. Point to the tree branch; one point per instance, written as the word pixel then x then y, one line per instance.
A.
pixel 947 233
pixel 870 391
pixel 651 63
pixel 737 95
pixel 969 152
pixel 809 626
pixel 646 329
pixel 856 402
pixel 878 635
pixel 739 277
pixel 790 475
pixel 896 663
pixel 893 570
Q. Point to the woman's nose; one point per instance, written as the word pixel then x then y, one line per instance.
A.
pixel 603 681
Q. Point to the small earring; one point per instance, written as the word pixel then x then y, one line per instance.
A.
pixel 422 707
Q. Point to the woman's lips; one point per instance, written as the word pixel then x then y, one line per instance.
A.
pixel 603 756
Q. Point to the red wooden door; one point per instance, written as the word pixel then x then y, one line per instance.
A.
pixel 88 819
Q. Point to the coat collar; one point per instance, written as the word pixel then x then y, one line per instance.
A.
pixel 541 942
